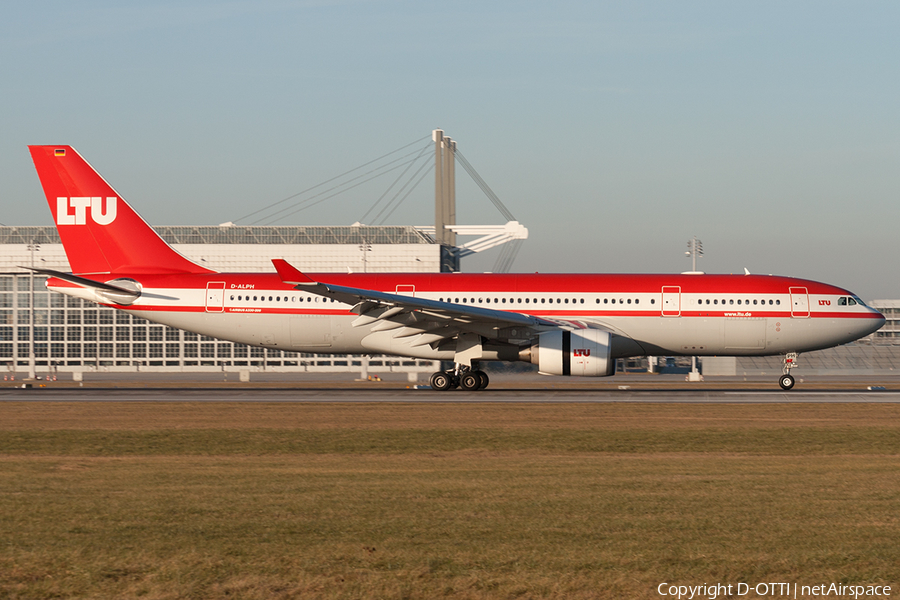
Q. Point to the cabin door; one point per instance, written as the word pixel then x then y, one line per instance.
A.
pixel 799 303
pixel 215 296
pixel 671 301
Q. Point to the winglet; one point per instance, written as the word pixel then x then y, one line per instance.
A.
pixel 289 273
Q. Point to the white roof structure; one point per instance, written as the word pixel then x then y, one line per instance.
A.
pixel 246 249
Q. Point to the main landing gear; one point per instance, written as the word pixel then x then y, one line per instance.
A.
pixel 787 380
pixel 463 377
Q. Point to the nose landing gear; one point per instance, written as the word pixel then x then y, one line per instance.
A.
pixel 787 380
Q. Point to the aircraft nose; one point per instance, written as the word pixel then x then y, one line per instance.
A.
pixel 875 323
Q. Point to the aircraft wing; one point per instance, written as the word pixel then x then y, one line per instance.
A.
pixel 432 321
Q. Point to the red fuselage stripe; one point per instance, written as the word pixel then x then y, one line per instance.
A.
pixel 537 313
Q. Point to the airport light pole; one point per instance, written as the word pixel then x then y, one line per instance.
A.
pixel 365 248
pixel 32 247
pixel 695 251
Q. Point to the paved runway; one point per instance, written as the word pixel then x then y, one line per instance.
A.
pixel 337 394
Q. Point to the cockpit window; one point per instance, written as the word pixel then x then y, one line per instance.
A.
pixel 852 301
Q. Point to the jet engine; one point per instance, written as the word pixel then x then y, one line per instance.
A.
pixel 584 353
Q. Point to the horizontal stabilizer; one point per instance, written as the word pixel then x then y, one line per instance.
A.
pixel 124 294
pixel 82 281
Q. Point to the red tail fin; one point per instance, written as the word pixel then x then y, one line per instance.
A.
pixel 100 232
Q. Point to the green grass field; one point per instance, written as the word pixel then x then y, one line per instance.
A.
pixel 144 500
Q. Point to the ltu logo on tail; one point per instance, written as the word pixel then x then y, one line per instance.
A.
pixel 81 205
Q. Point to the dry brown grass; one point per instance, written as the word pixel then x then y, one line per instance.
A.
pixel 441 501
pixel 613 416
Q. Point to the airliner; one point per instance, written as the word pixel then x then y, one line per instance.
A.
pixel 566 324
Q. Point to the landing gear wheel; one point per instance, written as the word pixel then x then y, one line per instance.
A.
pixel 786 382
pixel 484 379
pixel 470 381
pixel 440 382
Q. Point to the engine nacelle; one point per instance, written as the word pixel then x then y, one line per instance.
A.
pixel 583 353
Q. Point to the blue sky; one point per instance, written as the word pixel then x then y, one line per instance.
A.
pixel 613 131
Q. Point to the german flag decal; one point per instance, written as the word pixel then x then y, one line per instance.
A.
pixel 59 152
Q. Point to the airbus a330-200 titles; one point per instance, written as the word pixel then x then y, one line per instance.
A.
pixel 568 325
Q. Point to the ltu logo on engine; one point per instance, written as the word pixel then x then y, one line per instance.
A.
pixel 80 205
pixel 581 352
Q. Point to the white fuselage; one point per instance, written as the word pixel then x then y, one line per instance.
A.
pixel 261 311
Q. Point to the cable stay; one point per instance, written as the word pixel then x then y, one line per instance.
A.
pixel 308 204
pixel 507 256
pixel 346 185
pixel 484 186
pixel 397 204
pixel 423 153
pixel 335 178
pixel 510 236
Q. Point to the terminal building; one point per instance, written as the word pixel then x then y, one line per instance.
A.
pixel 889 334
pixel 70 334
